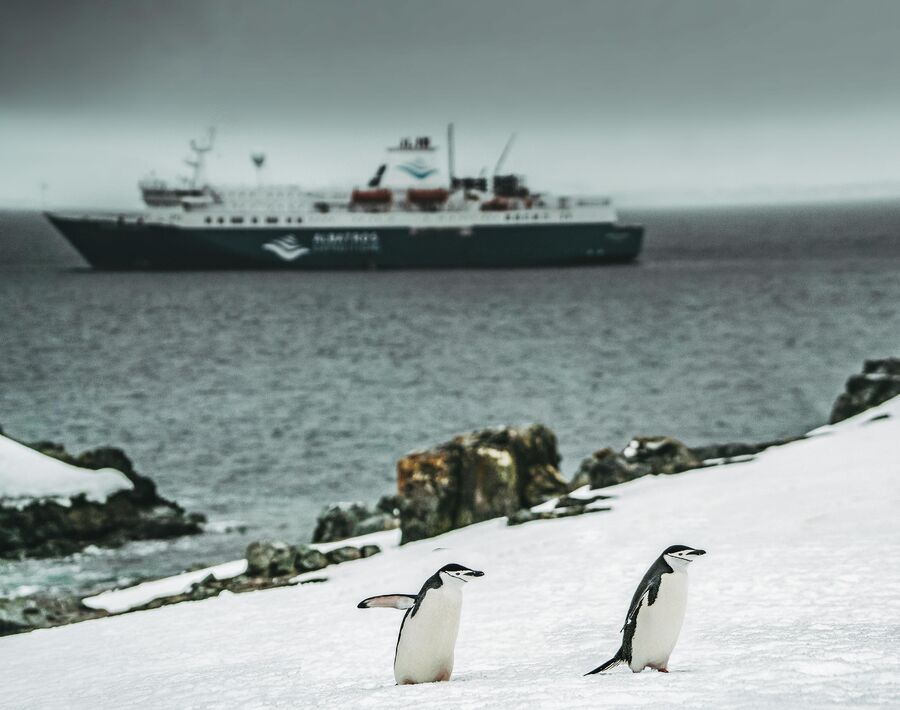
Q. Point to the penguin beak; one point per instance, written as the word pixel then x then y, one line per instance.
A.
pixel 698 553
pixel 474 573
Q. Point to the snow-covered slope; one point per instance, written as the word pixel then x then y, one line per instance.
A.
pixel 796 604
pixel 26 474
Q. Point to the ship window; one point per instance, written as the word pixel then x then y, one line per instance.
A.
pixel 237 220
pixel 209 220
pixel 221 220
pixel 271 220
pixel 299 220
pixel 254 220
pixel 287 219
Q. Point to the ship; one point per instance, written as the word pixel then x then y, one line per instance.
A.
pixel 413 213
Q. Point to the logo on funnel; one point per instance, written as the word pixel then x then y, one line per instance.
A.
pixel 418 168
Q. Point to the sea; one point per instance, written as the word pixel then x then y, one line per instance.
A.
pixel 257 398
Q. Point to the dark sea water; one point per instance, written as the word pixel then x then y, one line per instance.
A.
pixel 257 398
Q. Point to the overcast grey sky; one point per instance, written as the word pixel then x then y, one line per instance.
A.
pixel 638 97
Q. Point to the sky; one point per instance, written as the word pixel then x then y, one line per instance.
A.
pixel 643 99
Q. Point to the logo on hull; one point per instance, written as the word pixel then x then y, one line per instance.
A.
pixel 286 248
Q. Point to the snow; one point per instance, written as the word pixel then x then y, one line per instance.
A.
pixel 797 603
pixel 26 474
pixel 119 600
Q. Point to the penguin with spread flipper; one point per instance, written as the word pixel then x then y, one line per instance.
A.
pixel 427 639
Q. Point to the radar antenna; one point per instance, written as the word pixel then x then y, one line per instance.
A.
pixel 259 160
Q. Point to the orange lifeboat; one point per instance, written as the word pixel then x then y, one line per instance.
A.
pixel 379 196
pixel 427 197
pixel 498 204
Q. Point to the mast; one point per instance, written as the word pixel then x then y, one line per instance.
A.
pixel 451 157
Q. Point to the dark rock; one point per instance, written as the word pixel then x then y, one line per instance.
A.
pixel 735 450
pixel 477 476
pixel 42 611
pixel 369 550
pixel 526 516
pixel 661 454
pixel 342 520
pixel 44 528
pixel 347 553
pixel 270 559
pixel 309 559
pixel 606 468
pixel 570 502
pixel 879 382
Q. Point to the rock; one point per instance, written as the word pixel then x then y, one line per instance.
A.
pixel 526 516
pixel 45 528
pixel 879 382
pixel 369 550
pixel 347 553
pixel 606 468
pixel 270 559
pixel 477 476
pixel 342 520
pixel 42 611
pixel 661 454
pixel 735 450
pixel 309 559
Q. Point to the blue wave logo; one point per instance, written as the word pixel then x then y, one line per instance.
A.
pixel 417 169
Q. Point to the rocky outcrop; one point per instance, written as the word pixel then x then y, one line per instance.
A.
pixel 42 611
pixel 47 528
pixel 644 455
pixel 477 476
pixel 878 382
pixel 342 520
pixel 269 565
pixel 725 453
pixel 564 507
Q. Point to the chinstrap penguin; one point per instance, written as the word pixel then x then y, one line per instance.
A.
pixel 656 613
pixel 427 638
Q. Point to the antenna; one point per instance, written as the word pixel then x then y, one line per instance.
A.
pixel 505 153
pixel 451 157
pixel 259 159
pixel 200 150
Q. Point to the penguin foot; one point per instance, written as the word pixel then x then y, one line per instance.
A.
pixel 663 670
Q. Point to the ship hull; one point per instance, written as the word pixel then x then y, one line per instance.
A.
pixel 116 245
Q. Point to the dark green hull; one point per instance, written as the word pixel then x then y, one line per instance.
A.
pixel 113 244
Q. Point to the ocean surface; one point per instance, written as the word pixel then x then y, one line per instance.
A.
pixel 257 398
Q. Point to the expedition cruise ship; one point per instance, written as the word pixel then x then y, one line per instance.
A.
pixel 409 215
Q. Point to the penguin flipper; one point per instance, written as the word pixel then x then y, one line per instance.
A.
pixel 389 601
pixel 611 663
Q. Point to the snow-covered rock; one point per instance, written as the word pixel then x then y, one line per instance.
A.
pixel 53 504
pixel 796 605
pixel 26 475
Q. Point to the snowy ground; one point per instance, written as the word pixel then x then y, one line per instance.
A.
pixel 796 604
pixel 26 474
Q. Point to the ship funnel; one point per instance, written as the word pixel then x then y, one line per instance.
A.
pixel 412 163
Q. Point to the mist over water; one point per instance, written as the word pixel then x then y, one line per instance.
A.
pixel 259 397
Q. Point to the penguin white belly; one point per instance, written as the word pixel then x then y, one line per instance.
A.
pixel 658 625
pixel 428 639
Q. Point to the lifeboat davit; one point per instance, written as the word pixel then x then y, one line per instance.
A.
pixel 427 197
pixel 379 196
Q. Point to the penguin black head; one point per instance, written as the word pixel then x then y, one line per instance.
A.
pixel 681 555
pixel 457 572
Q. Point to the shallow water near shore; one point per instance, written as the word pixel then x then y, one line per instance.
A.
pixel 257 398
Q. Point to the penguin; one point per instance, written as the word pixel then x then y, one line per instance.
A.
pixel 427 638
pixel 656 613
